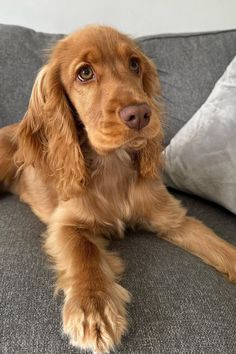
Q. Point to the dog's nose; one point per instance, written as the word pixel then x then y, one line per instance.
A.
pixel 137 116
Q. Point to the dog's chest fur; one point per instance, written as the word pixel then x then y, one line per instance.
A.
pixel 113 172
pixel 108 194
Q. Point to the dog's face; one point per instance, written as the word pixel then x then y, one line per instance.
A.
pixel 99 81
pixel 112 86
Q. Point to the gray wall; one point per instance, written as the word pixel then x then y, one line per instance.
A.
pixel 136 17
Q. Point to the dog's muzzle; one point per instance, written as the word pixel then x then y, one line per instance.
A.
pixel 137 116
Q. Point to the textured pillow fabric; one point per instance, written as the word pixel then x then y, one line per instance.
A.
pixel 201 158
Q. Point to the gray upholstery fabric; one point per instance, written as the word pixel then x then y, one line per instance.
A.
pixel 22 53
pixel 201 158
pixel 180 305
pixel 189 66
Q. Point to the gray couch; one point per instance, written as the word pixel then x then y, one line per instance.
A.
pixel 180 305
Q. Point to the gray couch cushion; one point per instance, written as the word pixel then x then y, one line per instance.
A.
pixel 180 305
pixel 22 53
pixel 201 158
pixel 189 66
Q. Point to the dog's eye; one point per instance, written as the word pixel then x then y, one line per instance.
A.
pixel 134 65
pixel 85 73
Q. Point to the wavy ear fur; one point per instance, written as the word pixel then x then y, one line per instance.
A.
pixel 47 135
pixel 150 160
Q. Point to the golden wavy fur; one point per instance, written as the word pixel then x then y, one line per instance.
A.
pixel 87 175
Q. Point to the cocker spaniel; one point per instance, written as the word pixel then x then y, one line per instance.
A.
pixel 87 157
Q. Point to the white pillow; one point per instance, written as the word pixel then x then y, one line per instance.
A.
pixel 201 158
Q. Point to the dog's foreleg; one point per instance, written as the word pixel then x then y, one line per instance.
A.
pixel 94 314
pixel 162 213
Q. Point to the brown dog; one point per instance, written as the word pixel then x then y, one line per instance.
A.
pixel 86 157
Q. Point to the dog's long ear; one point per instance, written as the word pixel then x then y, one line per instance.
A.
pixel 150 159
pixel 47 135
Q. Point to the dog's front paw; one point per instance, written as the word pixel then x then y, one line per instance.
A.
pixel 98 321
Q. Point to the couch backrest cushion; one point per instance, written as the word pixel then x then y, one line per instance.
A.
pixel 22 53
pixel 189 66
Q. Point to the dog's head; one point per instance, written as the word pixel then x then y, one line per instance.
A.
pixel 96 82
